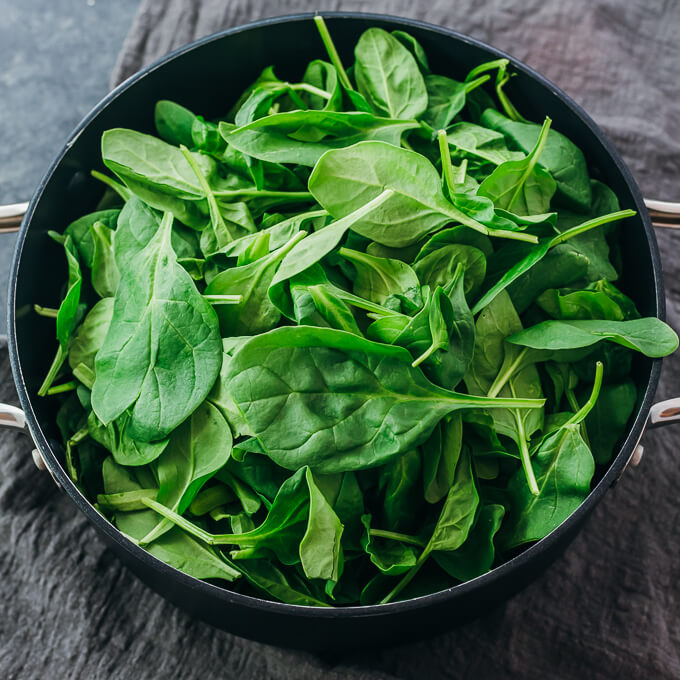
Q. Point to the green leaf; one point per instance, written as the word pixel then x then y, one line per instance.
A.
pixel 255 313
pixel 320 549
pixel 90 335
pixel 475 557
pixel 345 179
pixel 522 186
pixel 276 138
pixel 285 375
pixel 390 556
pixel 564 467
pixel 437 268
pixel 196 451
pixel 474 141
pixel 69 313
pixel 606 423
pixel 163 340
pixel 440 458
pixel 79 231
pixel 378 277
pixel 105 274
pixel 388 77
pixel 650 335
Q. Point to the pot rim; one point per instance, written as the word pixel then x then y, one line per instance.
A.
pixel 230 597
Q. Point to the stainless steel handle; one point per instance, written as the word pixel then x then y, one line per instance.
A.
pixel 661 414
pixel 11 216
pixel 664 214
pixel 13 418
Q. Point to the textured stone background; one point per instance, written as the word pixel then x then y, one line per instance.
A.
pixel 608 609
pixel 56 58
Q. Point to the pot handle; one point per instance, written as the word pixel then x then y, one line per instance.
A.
pixel 11 216
pixel 13 418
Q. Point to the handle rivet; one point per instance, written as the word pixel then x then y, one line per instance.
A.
pixel 637 455
pixel 38 460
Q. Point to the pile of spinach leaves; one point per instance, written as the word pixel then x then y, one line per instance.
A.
pixel 357 340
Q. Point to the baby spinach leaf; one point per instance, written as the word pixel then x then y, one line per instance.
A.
pixel 323 76
pixel 388 77
pixel 593 244
pixel 560 157
pixel 276 138
pixel 79 231
pixel 88 339
pixel 116 437
pixel 474 141
pixel 437 268
pixel 350 376
pixel 390 556
pixel 196 450
pixel 454 523
pixel 69 313
pixel 174 123
pixel 255 313
pixel 564 467
pixel 522 186
pixel 308 252
pixel 345 179
pixel 415 48
pixel 579 304
pixel 378 277
pixel 162 351
pixel 475 557
pixel 268 578
pixel 327 306
pixel 440 457
pixel 446 99
pixel 650 335
pixel 606 423
pixel 400 485
pixel 538 252
pixel 105 274
pixel 320 547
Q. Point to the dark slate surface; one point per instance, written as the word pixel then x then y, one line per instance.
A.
pixel 608 609
pixel 55 61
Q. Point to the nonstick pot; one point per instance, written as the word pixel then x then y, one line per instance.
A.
pixel 207 76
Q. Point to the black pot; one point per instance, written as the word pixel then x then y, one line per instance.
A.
pixel 207 76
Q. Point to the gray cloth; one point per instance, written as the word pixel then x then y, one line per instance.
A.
pixel 608 609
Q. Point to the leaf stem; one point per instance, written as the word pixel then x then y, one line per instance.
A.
pixel 223 299
pixel 516 235
pixel 395 536
pixel 231 193
pixel 407 577
pixel 532 159
pixel 501 79
pixel 447 167
pixel 502 378
pixel 425 355
pixel 580 415
pixel 48 312
pixel 296 98
pixel 215 215
pixel 524 454
pixel 591 224
pixel 488 66
pixel 65 387
pixel 57 363
pixel 120 189
pixel 332 52
pixel 306 87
